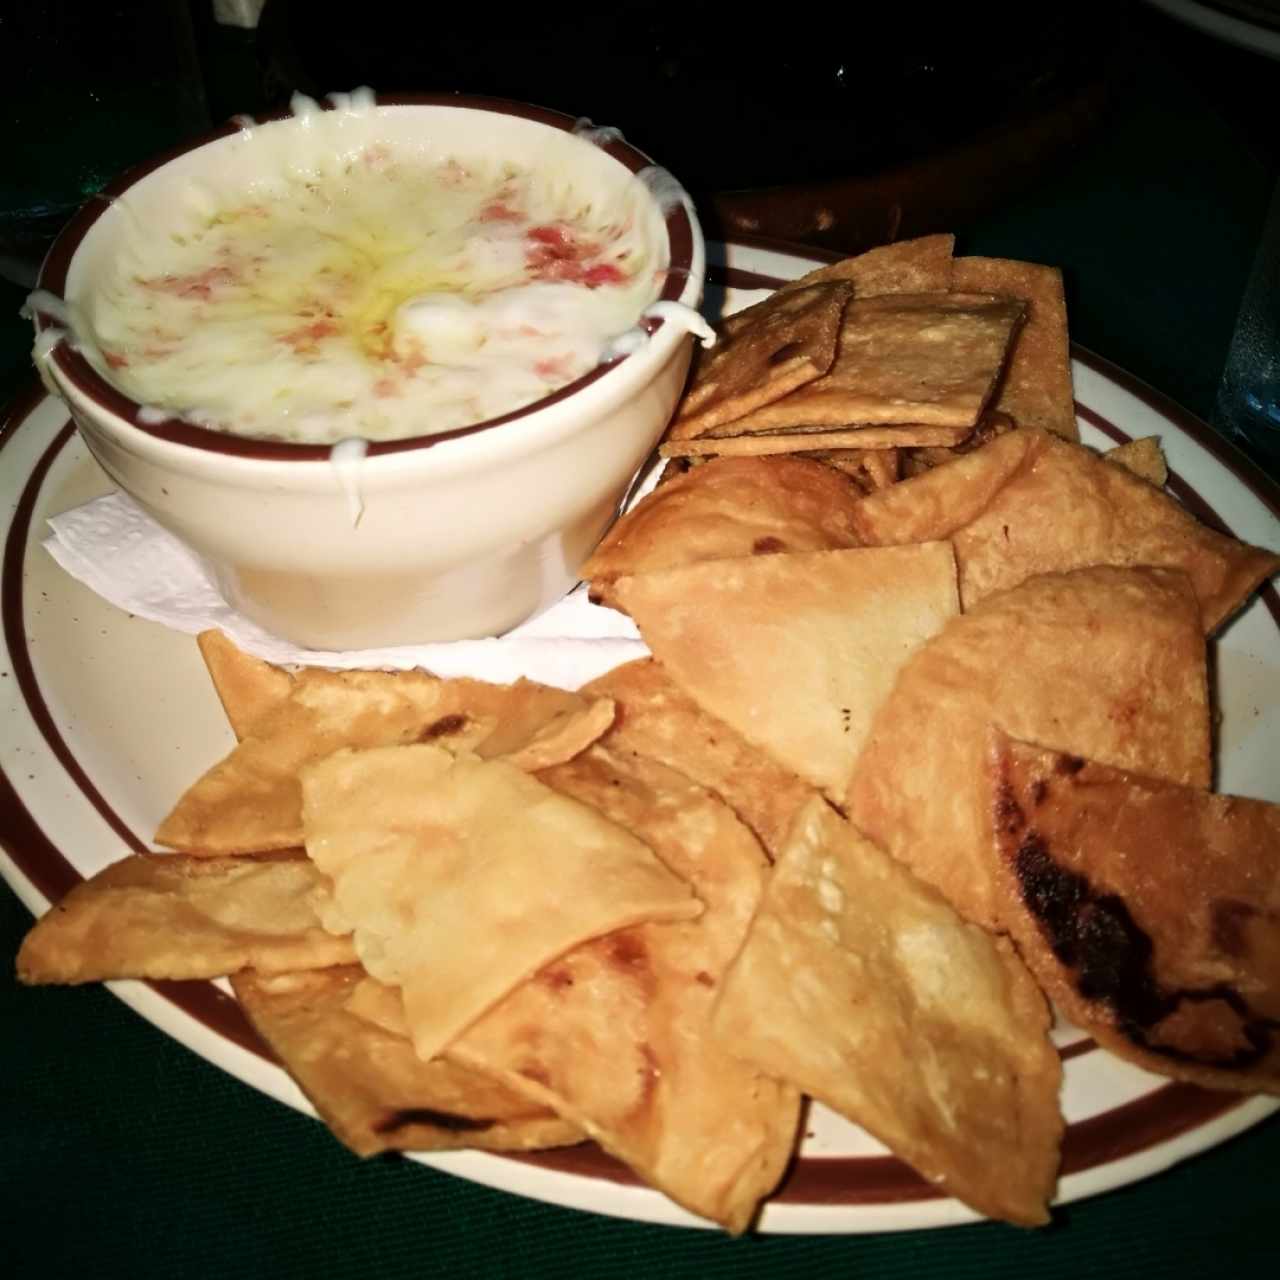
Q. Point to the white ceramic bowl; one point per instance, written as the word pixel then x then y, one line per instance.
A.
pixel 463 534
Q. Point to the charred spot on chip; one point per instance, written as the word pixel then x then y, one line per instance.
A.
pixel 539 1075
pixel 1039 792
pixel 1008 812
pixel 594 597
pixel 704 978
pixel 1115 965
pixel 1068 764
pixel 785 352
pixel 1052 894
pixel 556 978
pixel 448 1121
pixel 768 545
pixel 627 950
pixel 444 727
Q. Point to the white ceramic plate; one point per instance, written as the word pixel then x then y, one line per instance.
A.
pixel 106 719
pixel 1231 28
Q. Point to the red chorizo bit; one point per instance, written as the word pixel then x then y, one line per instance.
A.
pixel 115 360
pixel 499 211
pixel 305 337
pixel 199 284
pixel 553 368
pixel 602 273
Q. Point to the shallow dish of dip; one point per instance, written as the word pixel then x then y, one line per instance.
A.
pixel 387 366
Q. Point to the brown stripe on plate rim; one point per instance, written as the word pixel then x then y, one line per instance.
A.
pixel 40 860
pixel 1163 1114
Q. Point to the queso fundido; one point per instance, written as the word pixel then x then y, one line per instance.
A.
pixel 343 286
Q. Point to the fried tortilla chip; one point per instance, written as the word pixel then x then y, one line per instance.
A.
pixel 251 800
pixel 1105 663
pixel 730 507
pixel 763 352
pixel 1059 506
pixel 659 720
pixel 369 1086
pixel 1149 912
pixel 928 358
pixel 1144 458
pixel 861 987
pixel 922 265
pixel 246 686
pixel 460 877
pixel 616 1034
pixel 1035 389
pixel 175 917
pixel 796 652
pixel 943 500
pixel 765 444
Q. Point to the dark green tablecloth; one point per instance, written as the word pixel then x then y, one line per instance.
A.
pixel 124 1154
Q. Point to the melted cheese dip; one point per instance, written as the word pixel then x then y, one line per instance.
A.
pixel 369 289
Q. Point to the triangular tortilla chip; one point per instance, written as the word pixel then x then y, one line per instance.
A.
pixel 922 265
pixel 762 353
pixel 173 917
pixel 1143 457
pixel 657 719
pixel 616 1034
pixel 945 498
pixel 1028 504
pixel 246 686
pixel 1149 912
pixel 459 877
pixel 251 800
pixel 1035 389
pixel 1107 663
pixel 795 652
pixel 860 986
pixel 1069 508
pixel 728 508
pixel 369 1086
pixel 928 358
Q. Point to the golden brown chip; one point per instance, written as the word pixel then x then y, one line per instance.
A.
pixel 897 436
pixel 659 720
pixel 1035 390
pixel 459 877
pixel 1103 662
pixel 796 652
pixel 763 352
pixel 1149 912
pixel 944 499
pixel 922 265
pixel 173 917
pixel 730 507
pixel 615 1035
pixel 1028 504
pixel 369 1086
pixel 1144 458
pixel 251 800
pixel 927 358
pixel 861 987
pixel 869 469
pixel 246 686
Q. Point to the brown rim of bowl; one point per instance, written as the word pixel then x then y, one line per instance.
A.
pixel 85 379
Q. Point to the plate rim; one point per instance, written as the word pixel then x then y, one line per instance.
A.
pixel 166 1004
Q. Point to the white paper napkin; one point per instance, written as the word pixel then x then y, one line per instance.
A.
pixel 118 551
